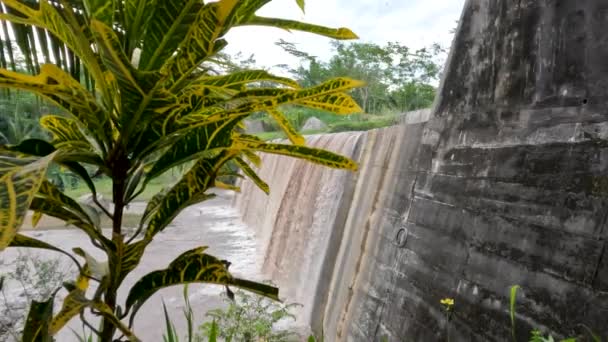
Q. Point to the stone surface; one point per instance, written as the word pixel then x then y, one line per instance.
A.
pixel 313 124
pixel 506 184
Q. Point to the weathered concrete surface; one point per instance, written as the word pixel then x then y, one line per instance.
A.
pixel 506 184
pixel 299 224
pixel 510 189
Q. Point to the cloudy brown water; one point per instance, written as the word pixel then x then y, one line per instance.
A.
pixel 213 223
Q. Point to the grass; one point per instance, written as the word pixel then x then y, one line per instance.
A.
pixel 335 123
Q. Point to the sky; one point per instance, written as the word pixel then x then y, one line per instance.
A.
pixel 414 23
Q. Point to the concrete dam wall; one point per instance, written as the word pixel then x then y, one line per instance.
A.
pixel 505 184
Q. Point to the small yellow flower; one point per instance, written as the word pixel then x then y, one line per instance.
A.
pixel 448 302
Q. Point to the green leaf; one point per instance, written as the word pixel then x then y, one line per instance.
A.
pixel 317 156
pixel 20 179
pixel 513 299
pixel 137 17
pixel 341 33
pixel 62 25
pixel 75 303
pixel 37 323
pixel 29 242
pixel 131 257
pixel 247 170
pixel 169 24
pixel 136 88
pixel 244 77
pixel 41 148
pixel 213 332
pixel 60 88
pixel 66 133
pixel 170 335
pixel 292 134
pixel 301 5
pixel 102 10
pixel 189 190
pixel 193 144
pixel 203 40
pixel 338 103
pixel 192 266
pixel 52 202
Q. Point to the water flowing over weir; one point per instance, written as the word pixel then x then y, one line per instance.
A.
pixel 504 184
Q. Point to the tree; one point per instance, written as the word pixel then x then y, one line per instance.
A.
pixel 396 77
pixel 139 85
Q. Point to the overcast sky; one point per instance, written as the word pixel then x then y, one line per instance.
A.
pixel 414 23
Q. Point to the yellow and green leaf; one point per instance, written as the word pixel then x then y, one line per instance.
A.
pixel 38 319
pixel 292 134
pixel 60 88
pixel 248 171
pixel 21 240
pixel 136 88
pixel 62 25
pixel 317 156
pixel 66 133
pixel 240 78
pixel 337 103
pixel 192 266
pixel 189 190
pixel 168 27
pixel 193 144
pixel 339 33
pixel 20 179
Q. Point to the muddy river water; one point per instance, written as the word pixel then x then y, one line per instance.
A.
pixel 214 223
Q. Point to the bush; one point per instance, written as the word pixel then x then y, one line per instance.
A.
pixel 29 277
pixel 248 318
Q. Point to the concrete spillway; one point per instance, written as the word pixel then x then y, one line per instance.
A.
pixel 505 184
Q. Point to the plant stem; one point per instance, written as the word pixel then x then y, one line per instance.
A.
pixel 119 176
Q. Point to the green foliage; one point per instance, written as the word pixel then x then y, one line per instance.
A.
pixel 170 332
pixel 537 335
pixel 142 90
pixel 513 299
pixel 397 78
pixel 248 318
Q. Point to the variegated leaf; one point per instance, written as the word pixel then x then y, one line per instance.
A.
pixel 170 21
pixel 52 202
pixel 137 16
pixel 21 240
pixel 317 156
pixel 66 28
pixel 192 266
pixel 225 186
pixel 102 10
pixel 136 89
pixel 59 87
pixel 292 134
pixel 240 78
pixel 189 190
pixel 38 319
pixel 337 103
pixel 248 171
pixel 204 38
pixel 339 33
pixel 66 133
pixel 193 144
pixel 75 303
pixel 254 158
pixel 20 179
